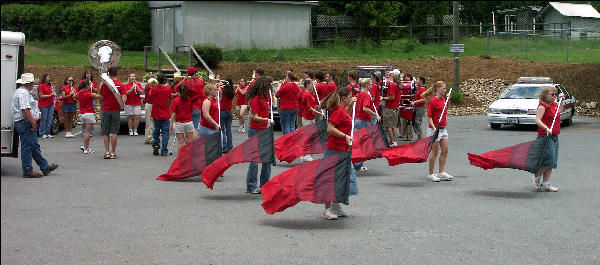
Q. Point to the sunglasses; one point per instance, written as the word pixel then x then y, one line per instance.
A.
pixel 553 94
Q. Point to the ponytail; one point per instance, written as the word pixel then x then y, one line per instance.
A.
pixel 334 98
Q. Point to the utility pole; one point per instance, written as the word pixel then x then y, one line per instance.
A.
pixel 455 40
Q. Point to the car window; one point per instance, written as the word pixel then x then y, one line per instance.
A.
pixel 522 92
pixel 564 91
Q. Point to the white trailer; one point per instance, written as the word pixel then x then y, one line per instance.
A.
pixel 13 55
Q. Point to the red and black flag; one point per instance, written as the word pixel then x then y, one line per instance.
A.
pixel 415 152
pixel 307 140
pixel 525 156
pixel 320 181
pixel 258 148
pixel 368 142
pixel 193 157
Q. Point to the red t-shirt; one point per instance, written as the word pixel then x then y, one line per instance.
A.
pixel 94 84
pixel 288 96
pixel 45 89
pixel 322 89
pixel 259 106
pixel 343 122
pixel 241 98
pixel 226 102
pixel 434 110
pixel 547 119
pixel 109 102
pixel 393 89
pixel 376 94
pixel 363 100
pixel 66 98
pixel 86 101
pixel 331 87
pixel 196 86
pixel 309 100
pixel 355 90
pixel 133 98
pixel 213 112
pixel 418 96
pixel 160 102
pixel 182 109
pixel 147 98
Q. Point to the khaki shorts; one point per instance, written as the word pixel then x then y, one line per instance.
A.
pixel 111 121
pixel 87 118
pixel 390 118
pixel 184 127
pixel 133 110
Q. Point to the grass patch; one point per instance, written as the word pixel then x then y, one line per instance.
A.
pixel 547 50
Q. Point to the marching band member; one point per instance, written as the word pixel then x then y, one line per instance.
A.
pixel 133 106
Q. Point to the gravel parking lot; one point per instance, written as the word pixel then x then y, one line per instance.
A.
pixel 97 211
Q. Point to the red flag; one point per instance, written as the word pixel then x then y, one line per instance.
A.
pixel 320 181
pixel 309 139
pixel 415 152
pixel 525 156
pixel 193 158
pixel 368 143
pixel 258 148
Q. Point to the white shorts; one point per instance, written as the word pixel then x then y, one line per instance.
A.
pixel 184 127
pixel 245 107
pixel 306 122
pixel 443 133
pixel 87 118
pixel 133 110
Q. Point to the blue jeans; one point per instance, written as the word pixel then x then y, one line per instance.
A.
pixel 30 148
pixel 265 171
pixel 226 119
pixel 358 124
pixel 353 185
pixel 161 127
pixel 288 120
pixel 196 114
pixel 203 131
pixel 47 116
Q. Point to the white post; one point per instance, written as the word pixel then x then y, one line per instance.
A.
pixel 271 105
pixel 556 114
pixel 445 105
pixel 494 22
pixel 353 114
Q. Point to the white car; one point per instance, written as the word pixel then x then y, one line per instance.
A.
pixel 518 104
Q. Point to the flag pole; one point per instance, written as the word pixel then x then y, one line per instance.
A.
pixel 219 109
pixel 353 114
pixel 318 99
pixel 272 126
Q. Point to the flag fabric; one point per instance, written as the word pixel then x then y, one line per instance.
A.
pixel 320 181
pixel 415 152
pixel 368 143
pixel 524 156
pixel 309 139
pixel 193 157
pixel 258 148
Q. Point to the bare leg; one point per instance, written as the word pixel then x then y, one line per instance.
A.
pixel 136 122
pixel 86 136
pixel 433 156
pixel 130 122
pixel 444 154
pixel 68 121
pixel 547 173
pixel 392 134
pixel 106 142
pixel 420 136
pixel 180 140
pixel 114 143
pixel 189 137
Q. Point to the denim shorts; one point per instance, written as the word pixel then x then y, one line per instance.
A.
pixel 69 108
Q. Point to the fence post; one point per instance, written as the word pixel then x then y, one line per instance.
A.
pixel 159 60
pixel 190 56
pixel 145 59
pixel 526 36
pixel 411 31
pixel 487 48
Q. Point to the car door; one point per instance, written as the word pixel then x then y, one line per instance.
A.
pixel 569 102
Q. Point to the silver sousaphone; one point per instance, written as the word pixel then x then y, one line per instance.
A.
pixel 102 55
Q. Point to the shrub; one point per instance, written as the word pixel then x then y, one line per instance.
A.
pixel 210 53
pixel 456 97
pixel 409 46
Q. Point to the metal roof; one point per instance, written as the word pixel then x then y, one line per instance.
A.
pixel 572 10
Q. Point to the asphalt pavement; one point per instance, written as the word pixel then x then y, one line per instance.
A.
pixel 96 211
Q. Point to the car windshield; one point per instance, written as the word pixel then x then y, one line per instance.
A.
pixel 522 92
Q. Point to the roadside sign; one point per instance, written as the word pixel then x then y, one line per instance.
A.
pixel 457 48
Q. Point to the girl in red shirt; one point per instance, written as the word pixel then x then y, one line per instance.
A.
pixel 46 104
pixel 87 75
pixel 258 97
pixel 288 103
pixel 339 127
pixel 69 108
pixel 226 115
pixel 242 104
pixel 548 127
pixel 181 112
pixel 87 112
pixel 133 105
pixel 434 112
pixel 209 122
pixel 352 85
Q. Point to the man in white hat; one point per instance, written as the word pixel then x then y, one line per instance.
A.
pixel 25 113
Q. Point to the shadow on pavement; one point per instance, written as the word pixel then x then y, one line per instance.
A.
pixel 414 184
pixel 506 194
pixel 306 224
pixel 233 197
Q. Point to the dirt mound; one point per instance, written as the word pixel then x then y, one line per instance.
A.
pixel 582 80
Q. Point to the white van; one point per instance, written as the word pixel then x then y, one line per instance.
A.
pixel 13 55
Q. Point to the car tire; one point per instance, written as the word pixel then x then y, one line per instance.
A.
pixel 495 126
pixel 55 126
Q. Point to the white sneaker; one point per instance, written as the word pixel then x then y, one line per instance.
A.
pixel 548 188
pixel 393 144
pixel 82 148
pixel 445 177
pixel 49 136
pixel 130 132
pixel 44 136
pixel 536 181
pixel 337 209
pixel 363 169
pixel 135 133
pixel 69 135
pixel 88 151
pixel 306 158
pixel 329 214
pixel 433 177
